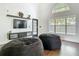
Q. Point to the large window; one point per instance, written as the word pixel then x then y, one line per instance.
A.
pixel 71 25
pixel 60 25
pixel 63 22
pixel 63 25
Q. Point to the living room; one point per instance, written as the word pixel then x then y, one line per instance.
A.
pixel 65 25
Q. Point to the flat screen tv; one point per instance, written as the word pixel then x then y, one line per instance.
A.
pixel 19 23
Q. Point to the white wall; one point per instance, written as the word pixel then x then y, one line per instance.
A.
pixel 45 14
pixel 6 22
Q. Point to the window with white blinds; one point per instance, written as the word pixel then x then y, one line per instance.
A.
pixel 66 25
pixel 63 22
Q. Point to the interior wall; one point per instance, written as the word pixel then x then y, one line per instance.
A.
pixel 45 14
pixel 13 9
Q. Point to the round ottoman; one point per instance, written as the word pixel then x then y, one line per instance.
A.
pixel 23 47
pixel 50 41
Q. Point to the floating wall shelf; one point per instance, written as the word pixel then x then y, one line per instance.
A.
pixel 17 16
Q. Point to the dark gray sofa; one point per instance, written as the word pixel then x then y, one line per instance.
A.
pixel 23 47
pixel 50 41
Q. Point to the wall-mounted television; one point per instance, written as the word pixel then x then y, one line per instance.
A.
pixel 17 23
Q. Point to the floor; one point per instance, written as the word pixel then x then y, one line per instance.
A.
pixel 67 49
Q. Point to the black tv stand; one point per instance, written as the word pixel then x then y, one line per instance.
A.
pixel 20 35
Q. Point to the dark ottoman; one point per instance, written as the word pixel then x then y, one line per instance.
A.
pixel 50 41
pixel 23 47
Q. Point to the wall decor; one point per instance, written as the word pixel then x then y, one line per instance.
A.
pixel 20 14
pixel 28 16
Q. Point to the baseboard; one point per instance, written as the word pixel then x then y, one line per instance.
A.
pixel 70 41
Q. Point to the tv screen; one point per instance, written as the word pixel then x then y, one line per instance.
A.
pixel 19 23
